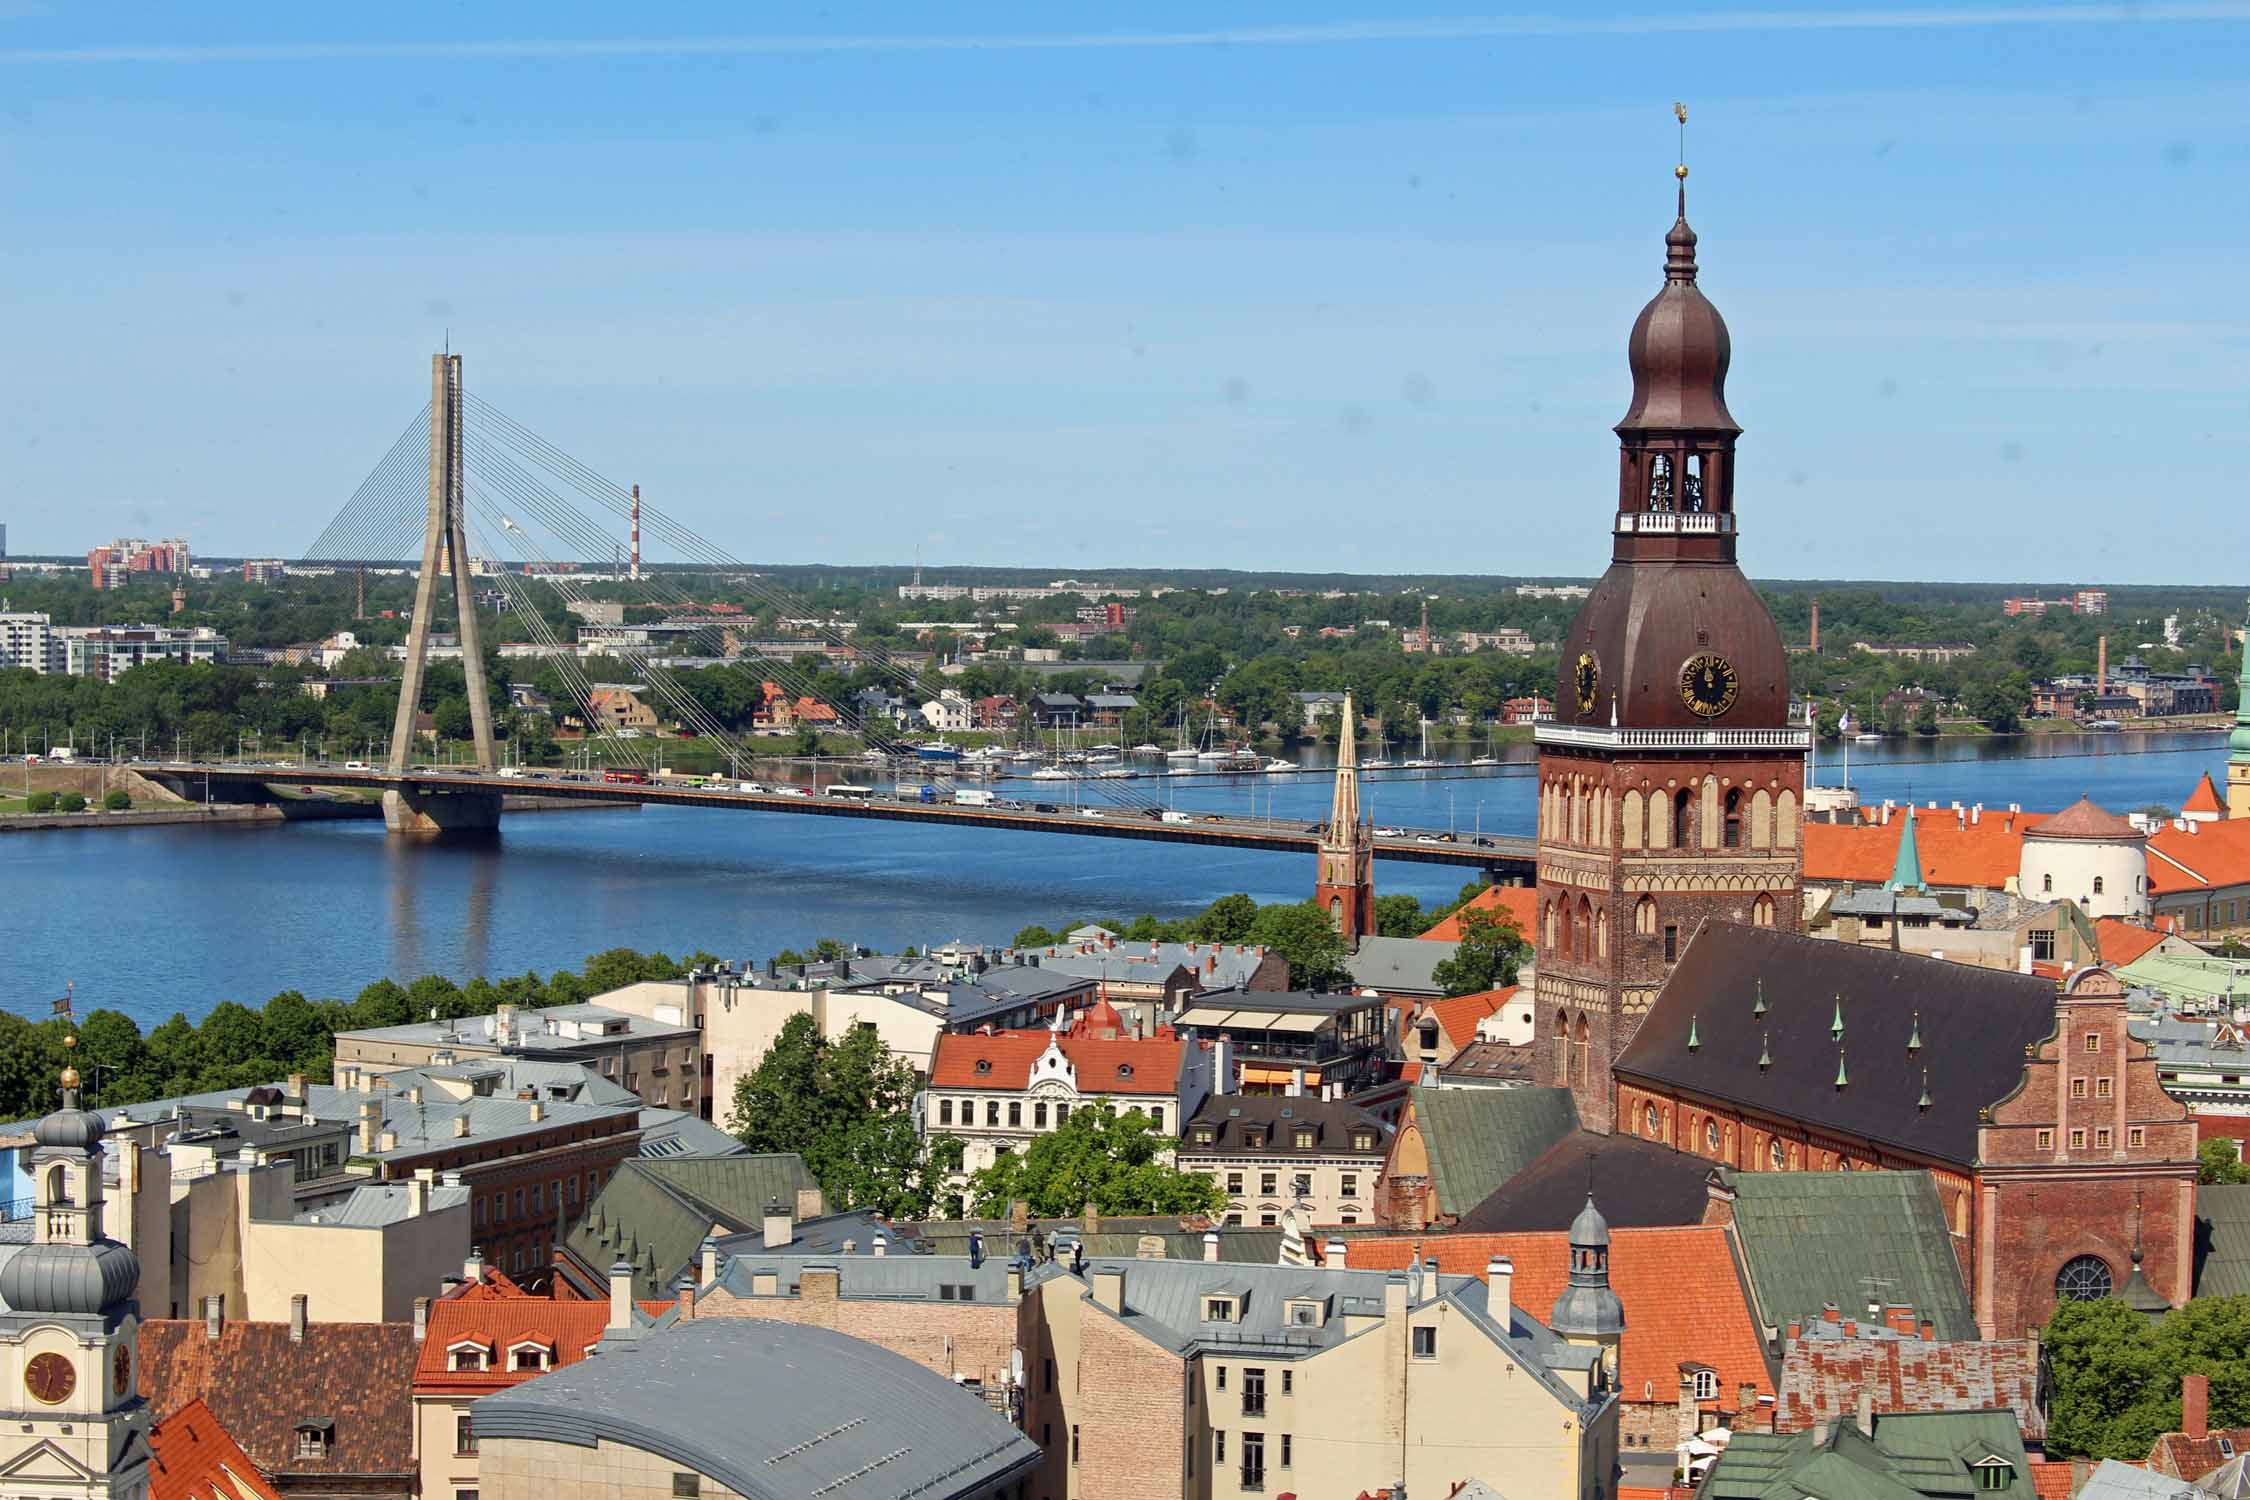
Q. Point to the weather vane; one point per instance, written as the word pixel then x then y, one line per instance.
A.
pixel 1679 113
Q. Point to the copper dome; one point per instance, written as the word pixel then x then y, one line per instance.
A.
pixel 1679 349
pixel 1644 621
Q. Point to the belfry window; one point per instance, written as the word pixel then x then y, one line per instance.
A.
pixel 1733 825
pixel 1691 487
pixel 1660 484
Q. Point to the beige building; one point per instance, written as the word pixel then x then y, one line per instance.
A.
pixel 659 1060
pixel 1272 1153
pixel 2089 856
pixel 998 1092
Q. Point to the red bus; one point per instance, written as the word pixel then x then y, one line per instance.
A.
pixel 631 777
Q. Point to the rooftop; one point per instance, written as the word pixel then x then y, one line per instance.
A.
pixel 773 1411
pixel 1398 966
pixel 1007 1060
pixel 1332 1122
pixel 1812 1239
pixel 1477 1139
pixel 261 1385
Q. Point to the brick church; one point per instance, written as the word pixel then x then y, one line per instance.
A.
pixel 1676 998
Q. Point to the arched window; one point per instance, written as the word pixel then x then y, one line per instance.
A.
pixel 2097 885
pixel 1660 484
pixel 58 1185
pixel 1601 932
pixel 1761 911
pixel 1681 801
pixel 1578 1053
pixel 1775 1158
pixel 2083 1278
pixel 1711 1137
pixel 1564 924
pixel 2046 885
pixel 1691 488
pixel 1585 927
pixel 1785 820
pixel 1659 820
pixel 1336 912
pixel 1632 833
pixel 1734 818
pixel 1550 924
pixel 1644 916
pixel 1648 1122
pixel 1761 820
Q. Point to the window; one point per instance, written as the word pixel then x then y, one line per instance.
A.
pixel 468 1357
pixel 1039 1115
pixel 2043 945
pixel 945 1111
pixel 1253 1393
pixel 1995 1474
pixel 1425 1342
pixel 1268 1221
pixel 2046 1140
pixel 1733 824
pixel 2097 885
pixel 519 1203
pixel 1711 1136
pixel 1253 1461
pixel 1219 1310
pixel 2136 1137
pixel 2093 1041
pixel 1304 1138
pixel 1671 943
pixel 312 1440
pixel 686 1486
pixel 2078 1140
pixel 1348 1185
pixel 992 1112
pixel 1234 1183
pixel 464 1435
pixel 1156 1117
pixel 1648 1121
pixel 2078 1088
pixel 1707 1385
pixel 2046 885
pixel 538 1198
pixel 1074 1442
pixel 1218 1445
pixel 1267 1182
pixel 464 1495
pixel 1015 1113
pixel 2101 1139
pixel 2083 1278
pixel 530 1357
pixel 1363 1140
pixel 1774 1157
pixel 1288 1386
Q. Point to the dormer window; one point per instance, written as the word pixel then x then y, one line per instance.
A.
pixel 1205 1135
pixel 1363 1140
pixel 1218 1309
pixel 1994 1473
pixel 468 1357
pixel 530 1355
pixel 316 1436
pixel 984 1065
pixel 1304 1138
pixel 1124 1070
pixel 1304 1313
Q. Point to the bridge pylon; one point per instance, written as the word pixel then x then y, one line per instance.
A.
pixel 445 550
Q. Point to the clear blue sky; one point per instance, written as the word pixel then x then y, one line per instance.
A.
pixel 1308 285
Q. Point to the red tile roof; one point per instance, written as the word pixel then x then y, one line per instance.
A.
pixel 1821 1379
pixel 2122 942
pixel 1008 1056
pixel 260 1385
pixel 1517 901
pixel 1683 1299
pixel 2216 854
pixel 1983 854
pixel 1458 1016
pixel 496 1326
pixel 193 1457
pixel 2051 1478
pixel 2190 1459
pixel 2205 798
pixel 2086 819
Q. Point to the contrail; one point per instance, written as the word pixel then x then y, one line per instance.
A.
pixel 1490 28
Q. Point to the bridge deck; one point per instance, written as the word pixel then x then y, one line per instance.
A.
pixel 1512 856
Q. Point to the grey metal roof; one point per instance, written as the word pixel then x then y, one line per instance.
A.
pixel 774 1412
pixel 896 1277
pixel 1810 1238
pixel 2222 1268
pixel 1216 966
pixel 1479 1138
pixel 675 1132
pixel 375 1204
pixel 2112 1480
pixel 533 1031
pixel 1399 966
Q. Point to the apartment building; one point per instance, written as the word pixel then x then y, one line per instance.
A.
pixel 1272 1153
pixel 998 1092
pixel 661 1061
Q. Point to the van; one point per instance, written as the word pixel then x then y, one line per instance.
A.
pixel 971 797
pixel 357 765
pixel 1173 815
pixel 511 772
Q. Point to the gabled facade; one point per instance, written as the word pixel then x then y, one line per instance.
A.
pixel 1000 1091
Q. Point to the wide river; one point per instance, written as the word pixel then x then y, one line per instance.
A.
pixel 156 920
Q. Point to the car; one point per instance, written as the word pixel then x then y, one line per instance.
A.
pixel 1390 833
pixel 790 791
pixel 1428 838
pixel 1091 812
pixel 1485 843
pixel 357 765
pixel 1213 818
pixel 1046 807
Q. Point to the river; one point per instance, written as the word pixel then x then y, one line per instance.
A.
pixel 152 921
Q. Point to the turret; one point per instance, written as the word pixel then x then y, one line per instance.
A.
pixel 1588 1312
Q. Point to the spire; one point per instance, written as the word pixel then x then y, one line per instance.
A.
pixel 1765 1050
pixel 1758 1010
pixel 1914 1042
pixel 1588 1310
pixel 1836 1028
pixel 1692 1041
pixel 2239 741
pixel 1343 811
pixel 1906 871
pixel 1679 244
pixel 1843 1079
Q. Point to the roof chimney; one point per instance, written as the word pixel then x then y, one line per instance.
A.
pixel 1333 1254
pixel 418 1191
pixel 779 1231
pixel 472 1269
pixel 297 1318
pixel 421 1319
pixel 710 1266
pixel 461 1124
pixel 1829 1313
pixel 2195 1406
pixel 538 1111
pixel 1864 1416
pixel 1500 1276
pixel 1210 1244
pixel 620 1295
pixel 370 1123
pixel 214 1315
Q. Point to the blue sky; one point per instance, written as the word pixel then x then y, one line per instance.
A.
pixel 1310 285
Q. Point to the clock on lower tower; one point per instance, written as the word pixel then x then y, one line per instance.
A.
pixel 1671 780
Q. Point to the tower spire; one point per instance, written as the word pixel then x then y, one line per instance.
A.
pixel 1344 885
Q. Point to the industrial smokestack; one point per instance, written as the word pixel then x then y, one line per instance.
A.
pixel 2101 669
pixel 636 569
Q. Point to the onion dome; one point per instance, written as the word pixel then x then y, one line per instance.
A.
pixel 77 1129
pixel 77 1279
pixel 1679 349
pixel 1587 1307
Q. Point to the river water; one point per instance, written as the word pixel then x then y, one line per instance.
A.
pixel 152 921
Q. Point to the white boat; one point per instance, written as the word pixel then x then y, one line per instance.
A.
pixel 1277 765
pixel 1239 760
pixel 1867 739
pixel 1052 773
pixel 1028 757
pixel 1486 760
pixel 1148 750
pixel 1183 771
pixel 1116 773
pixel 1421 763
pixel 1179 756
pixel 1378 764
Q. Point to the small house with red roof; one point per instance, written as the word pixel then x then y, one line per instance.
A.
pixel 193 1457
pixel 2199 876
pixel 999 1091
pixel 1436 1031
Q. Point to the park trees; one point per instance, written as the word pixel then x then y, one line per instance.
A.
pixel 1112 1161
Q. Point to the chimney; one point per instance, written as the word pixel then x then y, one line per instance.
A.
pixel 1863 1416
pixel 1500 1276
pixel 1015 1282
pixel 1109 1287
pixel 1334 1253
pixel 881 1245
pixel 1685 1407
pixel 472 1269
pixel 1718 1199
pixel 388 1140
pixel 418 1191
pixel 297 1087
pixel 461 1125
pixel 1928 1330
pixel 370 1123
pixel 214 1315
pixel 1829 1313
pixel 1851 1328
pixel 421 1319
pixel 2195 1406
pixel 710 1266
pixel 819 1284
pixel 779 1231
pixel 1211 1245
pixel 538 1111
pixel 297 1318
pixel 1796 1330
pixel 809 1205
pixel 620 1295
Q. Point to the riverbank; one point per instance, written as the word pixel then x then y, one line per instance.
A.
pixel 297 810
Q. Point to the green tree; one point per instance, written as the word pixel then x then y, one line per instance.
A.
pixel 1490 954
pixel 2108 1381
pixel 1399 916
pixel 1034 936
pixel 1304 935
pixel 829 950
pixel 847 1108
pixel 1109 1160
pixel 117 801
pixel 808 739
pixel 1228 919
pixel 1925 718
pixel 70 802
pixel 2220 1160
pixel 451 719
pixel 39 802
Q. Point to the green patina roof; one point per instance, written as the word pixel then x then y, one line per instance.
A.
pixel 1911 1455
pixel 1479 1138
pixel 2222 1266
pixel 2180 976
pixel 1906 872
pixel 666 1208
pixel 1810 1238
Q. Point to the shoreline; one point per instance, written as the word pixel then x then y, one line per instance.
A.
pixel 266 814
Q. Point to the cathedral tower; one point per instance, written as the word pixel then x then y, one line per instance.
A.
pixel 1344 886
pixel 1671 779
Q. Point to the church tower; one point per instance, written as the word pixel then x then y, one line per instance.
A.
pixel 2238 743
pixel 1671 779
pixel 1344 886
pixel 69 1329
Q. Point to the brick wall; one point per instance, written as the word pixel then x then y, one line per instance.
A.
pixel 1133 1440
pixel 956 1338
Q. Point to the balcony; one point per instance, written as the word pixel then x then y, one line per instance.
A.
pixel 1253 1403
pixel 1674 523
pixel 1253 1481
pixel 1596 737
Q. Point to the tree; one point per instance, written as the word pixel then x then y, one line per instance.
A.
pixel 847 1108
pixel 1925 718
pixel 1109 1160
pixel 117 801
pixel 451 719
pixel 2220 1160
pixel 1303 934
pixel 1489 956
pixel 70 802
pixel 2108 1382
pixel 829 950
pixel 1228 919
pixel 808 739
pixel 39 802
pixel 1034 936
pixel 1399 916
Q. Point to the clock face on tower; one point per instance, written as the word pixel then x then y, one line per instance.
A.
pixel 121 1371
pixel 1588 681
pixel 1708 684
pixel 50 1378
